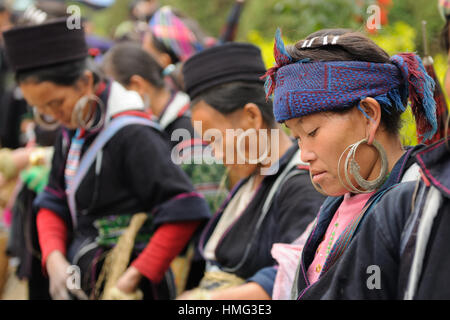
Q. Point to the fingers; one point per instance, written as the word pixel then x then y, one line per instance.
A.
pixel 59 293
pixel 79 294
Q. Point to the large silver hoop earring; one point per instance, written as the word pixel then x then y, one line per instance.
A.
pixel 44 121
pixel 79 115
pixel 353 166
pixel 251 161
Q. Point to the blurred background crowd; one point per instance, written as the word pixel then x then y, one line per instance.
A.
pixel 107 22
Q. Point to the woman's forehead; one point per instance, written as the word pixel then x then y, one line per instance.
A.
pixel 300 121
pixel 40 92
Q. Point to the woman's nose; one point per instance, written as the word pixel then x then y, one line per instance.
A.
pixel 307 155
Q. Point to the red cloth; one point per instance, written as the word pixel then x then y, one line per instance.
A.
pixel 164 246
pixel 52 233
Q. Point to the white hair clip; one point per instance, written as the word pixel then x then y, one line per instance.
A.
pixel 309 43
pixel 34 15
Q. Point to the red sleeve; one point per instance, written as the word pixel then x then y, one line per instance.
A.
pixel 52 233
pixel 167 242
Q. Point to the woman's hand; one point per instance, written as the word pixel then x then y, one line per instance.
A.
pixel 186 295
pixel 57 267
pixel 58 273
pixel 129 281
pixel 247 291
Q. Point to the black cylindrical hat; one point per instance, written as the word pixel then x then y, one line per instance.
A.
pixel 46 44
pixel 222 64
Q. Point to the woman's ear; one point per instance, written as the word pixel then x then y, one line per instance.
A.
pixel 164 60
pixel 87 82
pixel 138 84
pixel 253 116
pixel 373 110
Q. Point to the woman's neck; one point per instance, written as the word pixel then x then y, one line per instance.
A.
pixel 159 98
pixel 394 151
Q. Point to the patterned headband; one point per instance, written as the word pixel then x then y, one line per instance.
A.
pixel 174 34
pixel 301 88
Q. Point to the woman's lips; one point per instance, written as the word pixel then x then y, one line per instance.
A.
pixel 317 176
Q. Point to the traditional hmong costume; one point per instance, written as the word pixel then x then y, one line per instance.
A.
pixel 175 121
pixel 191 152
pixel 303 87
pixel 401 250
pixel 237 241
pixel 100 178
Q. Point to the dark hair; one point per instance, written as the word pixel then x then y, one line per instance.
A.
pixel 64 74
pixel 161 47
pixel 127 59
pixel 229 97
pixel 351 46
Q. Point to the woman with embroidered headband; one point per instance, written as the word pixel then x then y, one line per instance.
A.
pixel 342 96
pixel 171 39
pixel 110 162
pixel 273 202
pixel 401 251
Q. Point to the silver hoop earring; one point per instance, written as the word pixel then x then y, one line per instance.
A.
pixel 45 122
pixel 79 111
pixel 354 168
pixel 251 161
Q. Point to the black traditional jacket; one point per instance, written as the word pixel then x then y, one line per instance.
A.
pixel 245 247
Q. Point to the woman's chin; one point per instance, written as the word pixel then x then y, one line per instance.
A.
pixel 69 125
pixel 334 191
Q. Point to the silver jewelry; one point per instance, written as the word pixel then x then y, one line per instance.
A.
pixel 44 121
pixel 78 113
pixel 353 166
pixel 251 161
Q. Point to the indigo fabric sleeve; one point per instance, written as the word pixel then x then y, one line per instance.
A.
pixel 265 278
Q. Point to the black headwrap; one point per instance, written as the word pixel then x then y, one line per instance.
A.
pixel 222 64
pixel 44 45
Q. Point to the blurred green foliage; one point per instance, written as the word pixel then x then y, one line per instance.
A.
pixel 297 18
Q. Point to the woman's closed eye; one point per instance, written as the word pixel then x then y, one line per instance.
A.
pixel 55 103
pixel 313 133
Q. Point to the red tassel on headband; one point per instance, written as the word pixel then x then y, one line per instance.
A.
pixel 420 90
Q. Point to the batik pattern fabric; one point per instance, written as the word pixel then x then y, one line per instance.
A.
pixel 174 33
pixel 208 178
pixel 110 229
